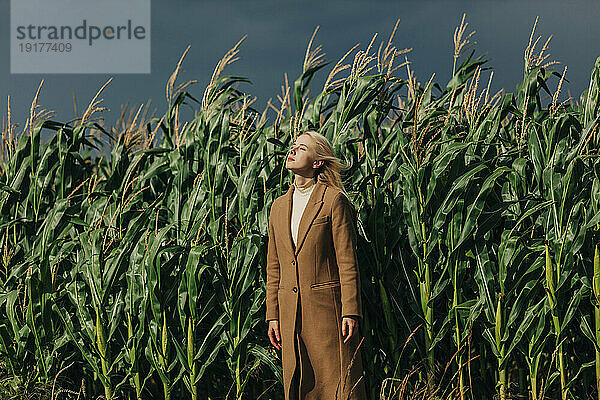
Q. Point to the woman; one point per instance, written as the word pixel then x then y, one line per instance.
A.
pixel 313 288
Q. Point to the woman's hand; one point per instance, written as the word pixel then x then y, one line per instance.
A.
pixel 349 327
pixel 274 334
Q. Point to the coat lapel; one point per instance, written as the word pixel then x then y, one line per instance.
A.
pixel 315 201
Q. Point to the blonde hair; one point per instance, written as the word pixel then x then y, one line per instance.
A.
pixel 329 172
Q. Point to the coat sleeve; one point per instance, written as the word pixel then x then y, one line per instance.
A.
pixel 344 242
pixel 272 302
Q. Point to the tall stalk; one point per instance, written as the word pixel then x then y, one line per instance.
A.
pixel 133 357
pixel 596 291
pixel 501 349
pixel 551 278
pixel 104 355
pixel 163 356
pixel 457 332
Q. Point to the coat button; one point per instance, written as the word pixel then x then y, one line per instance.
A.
pixel 295 289
pixel 293 262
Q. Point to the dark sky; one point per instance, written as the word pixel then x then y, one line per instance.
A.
pixel 278 33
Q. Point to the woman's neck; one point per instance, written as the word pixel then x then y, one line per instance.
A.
pixel 303 182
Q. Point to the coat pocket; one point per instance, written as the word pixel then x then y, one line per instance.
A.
pixel 322 285
pixel 321 220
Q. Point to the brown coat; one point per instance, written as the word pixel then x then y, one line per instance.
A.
pixel 321 275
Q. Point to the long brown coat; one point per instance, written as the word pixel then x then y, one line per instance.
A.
pixel 318 283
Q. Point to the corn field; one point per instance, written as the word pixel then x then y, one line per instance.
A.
pixel 140 273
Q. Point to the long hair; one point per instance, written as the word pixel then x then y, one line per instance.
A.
pixel 329 173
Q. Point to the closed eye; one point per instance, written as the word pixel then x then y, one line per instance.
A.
pixel 303 147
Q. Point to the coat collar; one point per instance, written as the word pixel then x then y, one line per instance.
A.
pixel 315 201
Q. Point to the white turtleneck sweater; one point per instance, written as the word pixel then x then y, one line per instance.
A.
pixel 299 201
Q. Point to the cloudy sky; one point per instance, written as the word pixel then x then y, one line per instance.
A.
pixel 278 33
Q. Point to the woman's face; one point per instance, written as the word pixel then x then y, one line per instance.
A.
pixel 301 157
